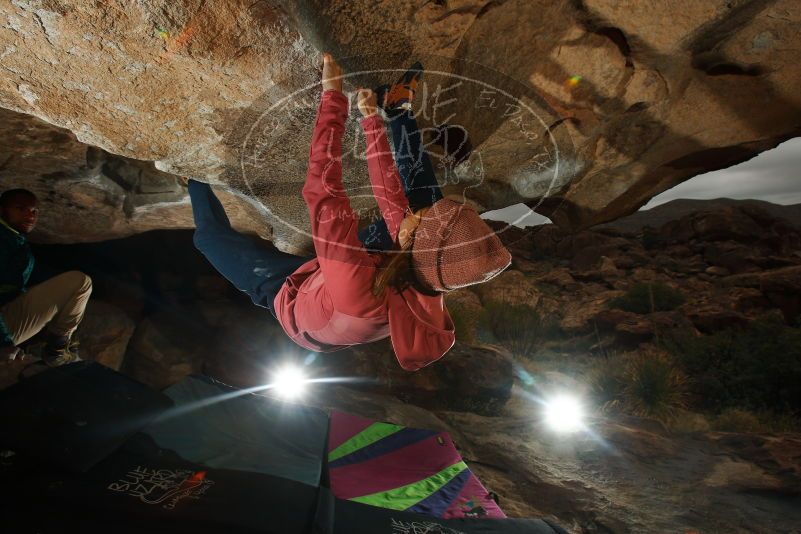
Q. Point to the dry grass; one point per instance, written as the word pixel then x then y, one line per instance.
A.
pixel 646 383
pixel 517 327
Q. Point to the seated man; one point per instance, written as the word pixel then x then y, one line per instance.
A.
pixel 58 303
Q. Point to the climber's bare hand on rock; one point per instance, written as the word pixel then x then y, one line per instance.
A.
pixel 332 73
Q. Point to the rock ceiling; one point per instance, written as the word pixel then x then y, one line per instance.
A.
pixel 583 110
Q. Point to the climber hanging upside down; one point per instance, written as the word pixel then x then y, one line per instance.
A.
pixel 362 287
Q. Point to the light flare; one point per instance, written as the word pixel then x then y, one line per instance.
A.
pixel 290 382
pixel 564 414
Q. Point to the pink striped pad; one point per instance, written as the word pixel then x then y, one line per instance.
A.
pixel 344 426
pixel 473 495
pixel 407 465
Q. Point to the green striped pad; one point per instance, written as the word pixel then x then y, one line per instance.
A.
pixel 368 436
pixel 409 495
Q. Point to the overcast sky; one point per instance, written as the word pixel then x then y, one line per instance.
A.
pixel 774 176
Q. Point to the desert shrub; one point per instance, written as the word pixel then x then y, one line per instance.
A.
pixel 648 297
pixel 740 420
pixel 606 380
pixel 517 327
pixel 549 289
pixel 650 238
pixel 737 420
pixel 465 322
pixel 654 386
pixel 780 422
pixel 647 384
pixel 688 422
pixel 756 368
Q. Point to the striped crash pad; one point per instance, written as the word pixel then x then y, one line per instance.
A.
pixel 403 468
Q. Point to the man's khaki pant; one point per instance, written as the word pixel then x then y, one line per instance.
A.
pixel 58 303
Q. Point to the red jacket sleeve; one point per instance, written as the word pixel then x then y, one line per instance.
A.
pixel 384 177
pixel 348 269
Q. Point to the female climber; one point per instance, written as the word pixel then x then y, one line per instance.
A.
pixel 362 288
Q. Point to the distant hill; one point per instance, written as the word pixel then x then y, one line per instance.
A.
pixel 676 209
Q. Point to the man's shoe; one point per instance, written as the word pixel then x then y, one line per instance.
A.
pixel 401 94
pixel 60 350
pixel 75 346
pixel 56 358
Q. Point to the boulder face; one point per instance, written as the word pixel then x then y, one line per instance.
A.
pixel 105 333
pixel 88 194
pixel 583 110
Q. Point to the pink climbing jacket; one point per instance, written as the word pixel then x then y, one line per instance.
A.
pixel 327 304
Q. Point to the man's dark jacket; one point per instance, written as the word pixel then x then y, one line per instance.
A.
pixel 16 264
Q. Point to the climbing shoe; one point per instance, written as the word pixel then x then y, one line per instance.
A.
pixel 60 350
pixel 401 94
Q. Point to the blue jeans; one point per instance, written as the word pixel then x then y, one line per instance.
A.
pixel 416 172
pixel 259 269
pixel 249 263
